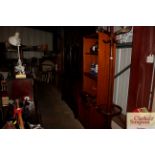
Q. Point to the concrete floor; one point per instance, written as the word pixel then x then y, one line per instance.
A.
pixel 55 113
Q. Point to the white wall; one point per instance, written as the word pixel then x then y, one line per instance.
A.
pixel 29 37
pixel 153 104
pixel 121 83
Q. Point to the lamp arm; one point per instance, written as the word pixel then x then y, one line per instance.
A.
pixel 19 60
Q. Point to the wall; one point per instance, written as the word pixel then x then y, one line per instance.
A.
pixel 29 37
pixel 153 105
pixel 121 83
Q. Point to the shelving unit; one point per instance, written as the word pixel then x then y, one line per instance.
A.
pixel 98 86
pixel 89 80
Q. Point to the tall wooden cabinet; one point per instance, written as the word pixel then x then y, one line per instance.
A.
pixel 97 84
pixel 141 74
pixel 98 77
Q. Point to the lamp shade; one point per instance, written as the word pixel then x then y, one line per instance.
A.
pixel 15 40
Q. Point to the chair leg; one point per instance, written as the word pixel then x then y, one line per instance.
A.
pixel 47 78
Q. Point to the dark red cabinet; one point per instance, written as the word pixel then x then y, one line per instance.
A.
pixel 19 88
pixel 141 71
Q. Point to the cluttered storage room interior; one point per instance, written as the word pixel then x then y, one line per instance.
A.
pixel 75 77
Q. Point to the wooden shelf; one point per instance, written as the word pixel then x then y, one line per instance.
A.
pixel 124 45
pixel 88 99
pixel 93 77
pixel 84 93
pixel 95 54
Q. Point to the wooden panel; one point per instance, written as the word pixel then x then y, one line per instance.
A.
pixel 18 88
pixel 105 71
pixel 90 85
pixel 84 113
pixel 141 72
pixel 90 117
pixel 88 42
pixel 89 59
pixel 111 76
pixel 97 120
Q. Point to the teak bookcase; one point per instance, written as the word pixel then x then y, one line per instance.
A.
pixel 97 90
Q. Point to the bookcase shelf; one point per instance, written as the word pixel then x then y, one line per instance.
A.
pixel 96 84
pixel 91 76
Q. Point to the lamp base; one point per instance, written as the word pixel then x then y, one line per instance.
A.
pixel 20 76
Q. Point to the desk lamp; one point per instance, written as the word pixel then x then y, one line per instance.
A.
pixel 16 41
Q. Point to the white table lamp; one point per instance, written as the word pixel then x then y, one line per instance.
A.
pixel 16 41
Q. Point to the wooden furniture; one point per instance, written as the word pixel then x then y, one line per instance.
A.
pixel 98 85
pixel 18 89
pixel 96 104
pixel 47 70
pixel 141 73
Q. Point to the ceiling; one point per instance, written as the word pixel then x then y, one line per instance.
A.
pixel 51 29
pixel 55 29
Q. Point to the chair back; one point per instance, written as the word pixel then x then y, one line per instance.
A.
pixel 47 65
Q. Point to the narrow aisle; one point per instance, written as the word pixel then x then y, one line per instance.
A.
pixel 55 113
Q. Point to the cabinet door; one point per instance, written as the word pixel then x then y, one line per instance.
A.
pixel 141 71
